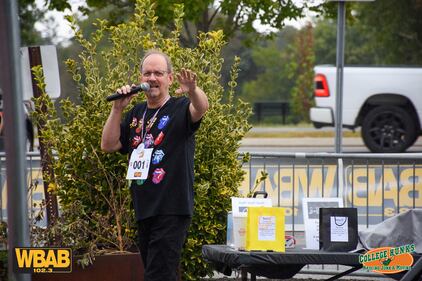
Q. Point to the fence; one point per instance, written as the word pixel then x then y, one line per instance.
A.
pixel 273 108
pixel 379 185
pixel 35 183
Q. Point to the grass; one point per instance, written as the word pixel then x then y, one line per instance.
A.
pixel 278 125
pixel 300 134
pixel 290 132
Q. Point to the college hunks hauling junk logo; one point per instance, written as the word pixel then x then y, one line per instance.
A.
pixel 388 260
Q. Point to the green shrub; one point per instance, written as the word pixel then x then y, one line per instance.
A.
pixel 93 193
pixel 3 265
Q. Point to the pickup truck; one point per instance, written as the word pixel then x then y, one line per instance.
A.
pixel 386 102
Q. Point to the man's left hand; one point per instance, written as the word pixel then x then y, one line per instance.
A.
pixel 187 81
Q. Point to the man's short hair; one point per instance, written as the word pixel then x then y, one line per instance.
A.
pixel 158 52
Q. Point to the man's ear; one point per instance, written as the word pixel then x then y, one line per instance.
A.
pixel 171 78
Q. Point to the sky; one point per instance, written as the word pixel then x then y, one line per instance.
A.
pixel 56 22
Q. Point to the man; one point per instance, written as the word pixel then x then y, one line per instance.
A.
pixel 159 137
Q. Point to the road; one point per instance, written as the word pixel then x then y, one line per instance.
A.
pixel 307 144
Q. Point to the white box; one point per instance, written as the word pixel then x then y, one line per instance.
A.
pixel 239 233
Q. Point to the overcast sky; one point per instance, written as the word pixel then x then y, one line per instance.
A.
pixel 58 24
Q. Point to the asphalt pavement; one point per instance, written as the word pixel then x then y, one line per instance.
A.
pixel 305 141
pixel 305 144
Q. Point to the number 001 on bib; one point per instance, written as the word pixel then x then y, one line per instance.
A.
pixel 265 229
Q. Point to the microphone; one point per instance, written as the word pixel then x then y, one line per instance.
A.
pixel 141 87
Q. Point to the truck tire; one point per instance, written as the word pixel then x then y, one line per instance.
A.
pixel 388 129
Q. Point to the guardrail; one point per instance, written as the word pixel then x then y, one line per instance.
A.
pixel 379 185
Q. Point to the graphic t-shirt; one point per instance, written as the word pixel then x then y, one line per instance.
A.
pixel 168 190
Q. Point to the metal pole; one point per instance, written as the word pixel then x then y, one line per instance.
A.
pixel 10 83
pixel 52 208
pixel 341 15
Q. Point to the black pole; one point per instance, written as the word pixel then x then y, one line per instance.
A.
pixel 11 87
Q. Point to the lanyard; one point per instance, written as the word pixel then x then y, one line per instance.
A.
pixel 151 121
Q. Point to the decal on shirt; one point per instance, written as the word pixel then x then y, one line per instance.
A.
pixel 157 156
pixel 134 123
pixel 159 138
pixel 140 182
pixel 139 128
pixel 158 175
pixel 136 141
pixel 149 141
pixel 163 122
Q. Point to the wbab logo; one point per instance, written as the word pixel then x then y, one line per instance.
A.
pixel 43 260
pixel 388 260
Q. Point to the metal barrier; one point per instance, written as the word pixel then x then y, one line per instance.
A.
pixel 379 185
pixel 34 177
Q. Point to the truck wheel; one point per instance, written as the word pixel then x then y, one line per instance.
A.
pixel 388 129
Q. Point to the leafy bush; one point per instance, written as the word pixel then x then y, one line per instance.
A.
pixel 3 265
pixel 93 193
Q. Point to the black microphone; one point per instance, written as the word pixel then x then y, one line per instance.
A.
pixel 141 87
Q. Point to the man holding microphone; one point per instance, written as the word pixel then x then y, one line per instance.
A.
pixel 159 137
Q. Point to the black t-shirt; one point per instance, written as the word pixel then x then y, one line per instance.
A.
pixel 168 190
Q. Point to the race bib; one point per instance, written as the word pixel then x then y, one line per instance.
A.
pixel 139 162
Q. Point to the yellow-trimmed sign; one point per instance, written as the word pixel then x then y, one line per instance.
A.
pixel 42 260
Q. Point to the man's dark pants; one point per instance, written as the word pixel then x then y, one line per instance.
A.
pixel 161 241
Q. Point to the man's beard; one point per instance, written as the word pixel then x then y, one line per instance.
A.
pixel 153 94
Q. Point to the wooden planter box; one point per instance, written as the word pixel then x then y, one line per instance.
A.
pixel 118 267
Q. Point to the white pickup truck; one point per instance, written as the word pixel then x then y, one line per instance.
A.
pixel 386 102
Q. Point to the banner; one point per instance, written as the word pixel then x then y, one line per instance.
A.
pixel 362 188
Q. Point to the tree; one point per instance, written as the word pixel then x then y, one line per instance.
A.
pixel 270 57
pixel 29 14
pixel 205 15
pixel 377 33
pixel 302 73
pixel 357 51
pixel 236 47
pixel 394 30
